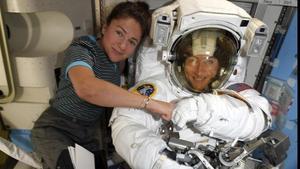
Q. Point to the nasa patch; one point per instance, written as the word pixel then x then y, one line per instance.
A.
pixel 146 89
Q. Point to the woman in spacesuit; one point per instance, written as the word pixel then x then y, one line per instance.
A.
pixel 198 61
pixel 198 81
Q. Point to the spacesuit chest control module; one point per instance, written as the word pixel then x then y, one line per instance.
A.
pixel 266 151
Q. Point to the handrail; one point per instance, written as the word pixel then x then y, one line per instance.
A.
pixel 7 64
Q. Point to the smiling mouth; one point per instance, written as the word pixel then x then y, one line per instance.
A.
pixel 117 51
pixel 199 78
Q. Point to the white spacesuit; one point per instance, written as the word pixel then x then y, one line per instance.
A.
pixel 197 60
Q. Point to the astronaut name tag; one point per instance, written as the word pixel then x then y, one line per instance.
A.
pixel 146 89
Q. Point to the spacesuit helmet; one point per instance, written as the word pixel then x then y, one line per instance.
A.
pixel 203 59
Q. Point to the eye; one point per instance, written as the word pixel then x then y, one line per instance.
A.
pixel 210 61
pixel 119 33
pixel 133 43
pixel 192 61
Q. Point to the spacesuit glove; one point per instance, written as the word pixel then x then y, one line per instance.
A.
pixel 166 163
pixel 186 110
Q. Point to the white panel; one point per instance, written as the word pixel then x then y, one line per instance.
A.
pixel 35 71
pixel 21 115
pixel 269 15
pixel 246 6
pixel 34 94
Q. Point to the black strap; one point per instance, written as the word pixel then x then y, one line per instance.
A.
pixel 169 154
pixel 64 160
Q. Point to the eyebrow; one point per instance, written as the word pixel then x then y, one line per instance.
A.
pixel 124 30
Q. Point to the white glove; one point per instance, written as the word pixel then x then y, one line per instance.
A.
pixel 186 110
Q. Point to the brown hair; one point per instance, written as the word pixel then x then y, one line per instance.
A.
pixel 136 10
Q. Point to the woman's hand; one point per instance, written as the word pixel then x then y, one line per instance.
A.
pixel 161 108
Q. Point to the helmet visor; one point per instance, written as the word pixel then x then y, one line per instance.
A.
pixel 204 59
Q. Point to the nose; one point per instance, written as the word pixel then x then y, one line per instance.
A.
pixel 201 70
pixel 122 44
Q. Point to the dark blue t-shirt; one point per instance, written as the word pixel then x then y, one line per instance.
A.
pixel 84 51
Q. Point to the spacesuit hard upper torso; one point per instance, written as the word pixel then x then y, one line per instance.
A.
pixel 137 134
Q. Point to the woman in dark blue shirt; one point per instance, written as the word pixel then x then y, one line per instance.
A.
pixel 89 84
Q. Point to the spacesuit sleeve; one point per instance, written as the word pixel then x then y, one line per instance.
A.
pixel 135 134
pixel 137 142
pixel 235 114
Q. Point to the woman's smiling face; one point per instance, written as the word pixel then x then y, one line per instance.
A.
pixel 121 38
pixel 200 70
